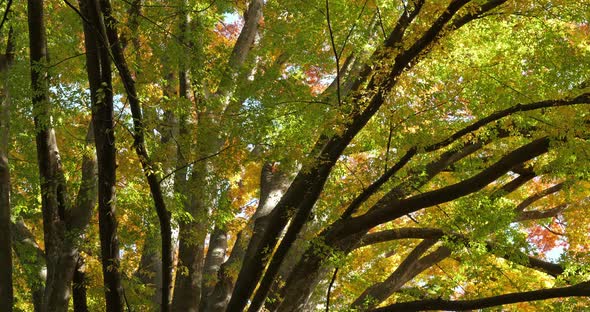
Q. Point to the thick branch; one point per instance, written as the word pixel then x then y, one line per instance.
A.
pixel 579 290
pixel 580 99
pixel 533 198
pixel 445 194
pixel 361 198
pixel 381 291
pixel 540 214
pixel 433 233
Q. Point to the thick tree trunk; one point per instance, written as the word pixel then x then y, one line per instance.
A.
pixel 272 187
pixel 191 252
pixel 188 292
pixel 53 192
pixel 6 291
pixel 213 260
pixel 191 236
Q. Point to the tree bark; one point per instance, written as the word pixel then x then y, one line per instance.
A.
pixel 578 290
pixel 98 67
pixel 272 187
pixel 412 265
pixel 59 256
pixel 6 290
pixel 33 257
pixel 305 190
pixel 213 260
pixel 141 150
pixel 188 292
pixel 191 251
pixel 80 285
pixel 150 268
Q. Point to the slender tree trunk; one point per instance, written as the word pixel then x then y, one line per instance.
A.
pixel 6 295
pixel 150 267
pixel 412 265
pixel 6 291
pixel 98 65
pixel 30 256
pixel 140 148
pixel 79 218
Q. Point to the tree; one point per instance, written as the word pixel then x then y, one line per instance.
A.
pixel 6 289
pixel 343 155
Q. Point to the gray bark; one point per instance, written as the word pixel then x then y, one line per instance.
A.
pixel 188 290
pixel 272 187
pixel 213 260
pixel 53 194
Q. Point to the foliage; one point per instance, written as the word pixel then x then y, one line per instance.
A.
pixel 209 148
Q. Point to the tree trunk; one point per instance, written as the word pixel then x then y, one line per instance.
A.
pixel 6 291
pixel 98 66
pixel 213 260
pixel 141 150
pixel 272 187
pixel 150 268
pixel 79 286
pixel 187 290
pixel 30 256
pixel 53 193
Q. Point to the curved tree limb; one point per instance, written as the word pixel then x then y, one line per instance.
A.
pixel 404 272
pixel 578 290
pixel 395 210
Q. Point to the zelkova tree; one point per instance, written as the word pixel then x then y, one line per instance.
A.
pixel 296 156
pixel 63 221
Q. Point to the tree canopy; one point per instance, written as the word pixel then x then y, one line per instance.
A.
pixel 337 155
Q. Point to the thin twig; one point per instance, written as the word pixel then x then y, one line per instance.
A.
pixel 381 22
pixel 330 290
pixel 5 16
pixel 336 56
pixel 388 145
pixel 352 28
pixel 194 162
pixel 66 59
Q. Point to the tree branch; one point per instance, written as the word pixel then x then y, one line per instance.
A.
pixel 381 291
pixel 533 198
pixel 396 209
pixel 434 233
pixel 578 290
